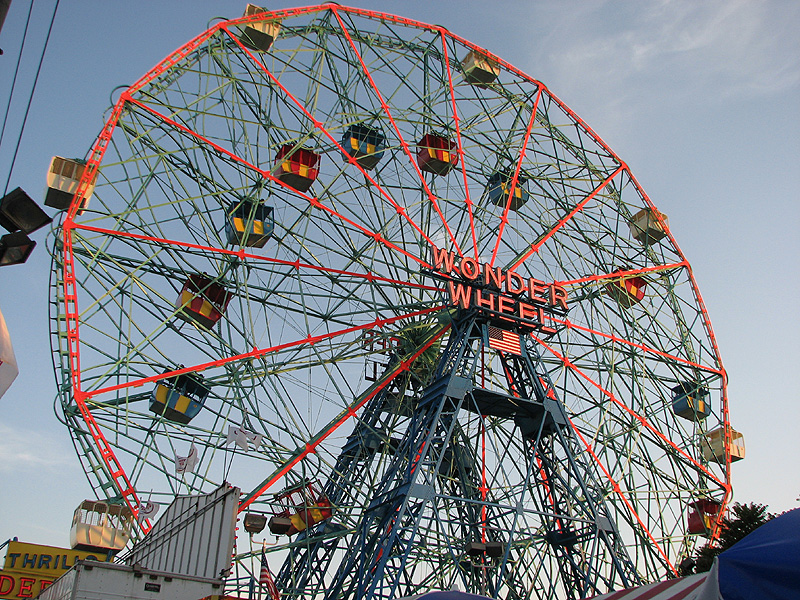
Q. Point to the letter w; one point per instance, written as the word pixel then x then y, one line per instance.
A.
pixel 460 294
pixel 443 257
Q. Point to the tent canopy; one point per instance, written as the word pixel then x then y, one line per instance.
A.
pixel 451 595
pixel 764 564
pixel 684 588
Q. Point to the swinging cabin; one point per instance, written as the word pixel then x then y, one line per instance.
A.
pixel 627 291
pixel 297 166
pixel 478 69
pixel 100 527
pixel 249 223
pixel 689 401
pixel 63 178
pixel 436 154
pixel 365 144
pixel 713 445
pixel 499 187
pixel 179 398
pixel 646 228
pixel 703 515
pixel 258 35
pixel 301 507
pixel 202 301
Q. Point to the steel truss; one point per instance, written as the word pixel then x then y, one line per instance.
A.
pixel 606 478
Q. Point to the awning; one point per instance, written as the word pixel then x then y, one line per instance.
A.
pixel 702 586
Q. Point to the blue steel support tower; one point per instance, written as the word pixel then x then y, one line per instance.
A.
pixel 431 497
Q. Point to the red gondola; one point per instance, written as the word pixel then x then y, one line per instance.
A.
pixel 202 301
pixel 436 154
pixel 627 291
pixel 297 167
pixel 301 507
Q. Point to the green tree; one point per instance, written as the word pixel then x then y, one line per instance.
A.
pixel 743 519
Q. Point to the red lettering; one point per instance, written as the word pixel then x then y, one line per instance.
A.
pixel 505 304
pixel 44 584
pixel 470 268
pixel 537 290
pixel 511 279
pixel 547 330
pixel 6 579
pixel 443 257
pixel 483 302
pixel 493 276
pixel 527 311
pixel 25 585
pixel 460 294
pixel 558 296
pixel 490 299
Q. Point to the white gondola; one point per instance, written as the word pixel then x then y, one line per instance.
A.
pixel 63 178
pixel 712 445
pixel 259 35
pixel 646 228
pixel 100 526
pixel 479 69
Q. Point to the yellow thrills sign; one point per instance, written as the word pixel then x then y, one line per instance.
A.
pixel 30 568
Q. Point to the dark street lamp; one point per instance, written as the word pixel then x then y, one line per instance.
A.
pixel 20 216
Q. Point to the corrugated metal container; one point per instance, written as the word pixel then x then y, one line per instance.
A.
pixel 194 536
pixel 90 580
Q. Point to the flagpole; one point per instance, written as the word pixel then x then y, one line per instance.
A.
pixel 260 585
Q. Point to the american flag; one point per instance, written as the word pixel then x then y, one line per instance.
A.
pixel 505 341
pixel 265 579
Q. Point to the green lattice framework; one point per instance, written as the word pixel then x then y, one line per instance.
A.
pixel 346 267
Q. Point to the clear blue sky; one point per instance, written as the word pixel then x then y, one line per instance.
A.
pixel 701 99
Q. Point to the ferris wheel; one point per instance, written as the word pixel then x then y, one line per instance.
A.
pixel 403 297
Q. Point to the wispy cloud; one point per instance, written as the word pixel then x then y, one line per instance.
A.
pixel 627 55
pixel 728 46
pixel 26 449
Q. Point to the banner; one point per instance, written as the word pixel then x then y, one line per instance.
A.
pixel 243 438
pixel 186 464
pixel 8 362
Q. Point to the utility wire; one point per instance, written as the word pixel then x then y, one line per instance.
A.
pixel 16 72
pixel 30 98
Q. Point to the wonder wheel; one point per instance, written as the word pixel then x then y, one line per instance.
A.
pixel 400 294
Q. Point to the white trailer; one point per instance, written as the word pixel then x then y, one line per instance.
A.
pixel 91 580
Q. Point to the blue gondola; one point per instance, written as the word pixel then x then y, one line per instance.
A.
pixel 249 223
pixel 365 144
pixel 690 401
pixel 499 187
pixel 179 398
